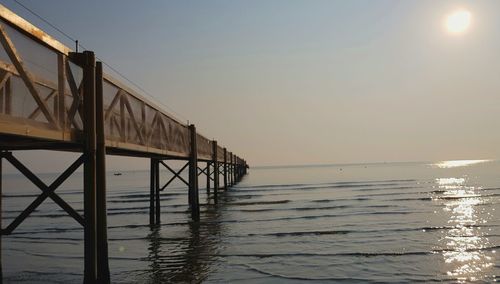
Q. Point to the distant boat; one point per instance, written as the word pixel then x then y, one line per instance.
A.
pixel 117 174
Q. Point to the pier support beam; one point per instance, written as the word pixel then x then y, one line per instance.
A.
pixel 207 172
pixel 193 176
pixel 157 193
pixel 235 170
pixel 230 169
pixel 87 61
pixel 152 192
pixel 101 212
pixel 215 164
pixel 1 228
pixel 225 169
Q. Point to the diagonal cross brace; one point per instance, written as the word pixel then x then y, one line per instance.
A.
pixel 201 171
pixel 204 171
pixel 47 191
pixel 176 174
pixel 25 75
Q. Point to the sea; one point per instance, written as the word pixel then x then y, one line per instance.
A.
pixel 352 223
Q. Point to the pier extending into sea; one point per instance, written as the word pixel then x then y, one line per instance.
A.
pixel 54 98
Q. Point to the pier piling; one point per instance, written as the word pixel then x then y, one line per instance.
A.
pixel 207 172
pixel 215 164
pixel 152 191
pixel 193 175
pixel 101 211
pixel 225 169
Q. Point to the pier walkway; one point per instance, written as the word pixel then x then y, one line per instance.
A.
pixel 53 98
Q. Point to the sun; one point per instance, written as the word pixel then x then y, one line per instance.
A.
pixel 458 22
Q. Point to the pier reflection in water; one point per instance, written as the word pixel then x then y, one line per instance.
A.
pixel 188 258
pixel 465 243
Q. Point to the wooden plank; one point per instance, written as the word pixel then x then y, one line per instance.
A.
pixel 24 127
pixel 28 81
pixel 4 75
pixel 8 97
pixel 114 147
pixel 32 31
pixel 61 90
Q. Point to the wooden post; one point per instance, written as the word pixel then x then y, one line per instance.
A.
pixel 225 169
pixel 152 193
pixel 238 173
pixel 61 90
pixel 235 179
pixel 1 193
pixel 87 61
pixel 157 193
pixel 237 169
pixel 215 163
pixel 193 176
pixel 208 177
pixel 8 97
pixel 101 211
pixel 231 169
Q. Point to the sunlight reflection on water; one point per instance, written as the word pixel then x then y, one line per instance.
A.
pixel 458 163
pixel 464 243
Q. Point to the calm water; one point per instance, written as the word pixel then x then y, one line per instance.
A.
pixel 403 222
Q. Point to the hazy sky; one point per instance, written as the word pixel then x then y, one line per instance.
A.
pixel 300 82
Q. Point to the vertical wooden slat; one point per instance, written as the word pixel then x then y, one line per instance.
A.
pixel 59 103
pixel 144 127
pixel 5 75
pixel 2 98
pixel 122 119
pixel 8 96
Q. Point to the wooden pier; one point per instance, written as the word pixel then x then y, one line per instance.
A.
pixel 55 99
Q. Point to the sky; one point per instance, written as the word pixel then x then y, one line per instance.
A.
pixel 285 82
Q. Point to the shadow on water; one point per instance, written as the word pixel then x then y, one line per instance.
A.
pixel 190 257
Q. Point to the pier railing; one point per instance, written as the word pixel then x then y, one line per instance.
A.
pixel 41 97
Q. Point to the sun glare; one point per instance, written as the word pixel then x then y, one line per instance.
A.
pixel 458 22
pixel 458 163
